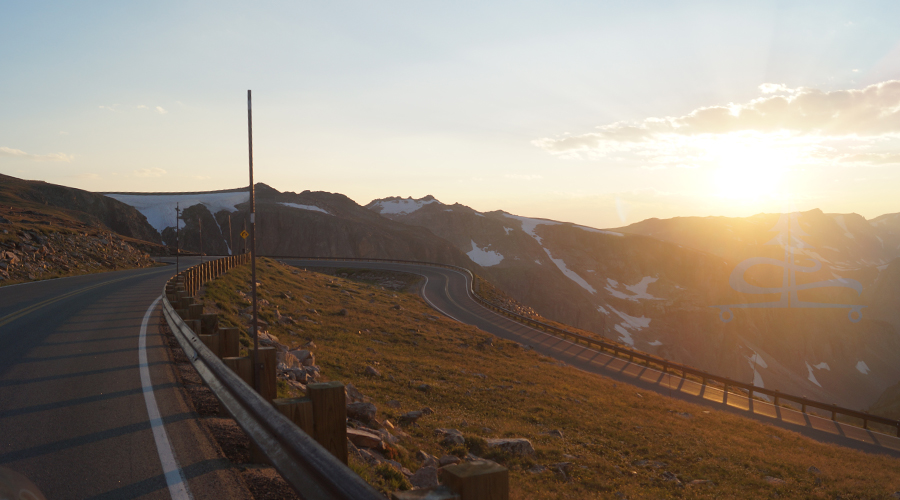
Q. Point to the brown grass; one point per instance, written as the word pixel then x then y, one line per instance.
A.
pixel 503 390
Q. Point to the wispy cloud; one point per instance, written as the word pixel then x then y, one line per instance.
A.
pixel 802 124
pixel 149 172
pixel 160 110
pixel 113 108
pixel 18 153
pixel 142 106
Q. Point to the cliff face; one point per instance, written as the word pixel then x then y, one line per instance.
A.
pixel 91 208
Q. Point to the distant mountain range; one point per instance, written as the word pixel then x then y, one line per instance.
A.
pixel 679 288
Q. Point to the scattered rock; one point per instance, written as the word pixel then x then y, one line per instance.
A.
pixel 774 481
pixel 410 417
pixel 425 477
pixel 343 312
pixel 423 387
pixel 670 477
pixel 353 395
pixel 397 307
pixel 427 459
pixel 556 432
pixel 537 469
pixel 394 403
pixel 309 345
pixel 896 494
pixel 449 460
pixel 364 412
pixel 515 446
pixel 450 437
pixel 427 411
pixel 365 439
pixel 372 372
pixel 813 470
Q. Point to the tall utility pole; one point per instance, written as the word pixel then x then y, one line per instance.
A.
pixel 177 251
pixel 256 366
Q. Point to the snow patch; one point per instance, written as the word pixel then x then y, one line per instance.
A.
pixel 840 222
pixel 401 206
pixel 656 342
pixel 507 229
pixel 604 311
pixel 159 209
pixel 812 378
pixel 632 322
pixel 311 208
pixel 757 361
pixel 570 274
pixel 822 366
pixel 638 290
pixel 625 336
pixel 484 257
pixel 863 367
pixel 529 225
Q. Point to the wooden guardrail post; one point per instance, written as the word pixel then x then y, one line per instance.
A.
pixel 242 366
pixel 268 385
pixel 194 324
pixel 212 342
pixel 330 417
pixel 229 342
pixel 209 323
pixel 195 311
pixel 477 480
pixel 299 411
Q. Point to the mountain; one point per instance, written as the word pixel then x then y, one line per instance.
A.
pixel 90 208
pixel 679 288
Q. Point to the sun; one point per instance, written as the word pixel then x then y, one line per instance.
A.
pixel 748 172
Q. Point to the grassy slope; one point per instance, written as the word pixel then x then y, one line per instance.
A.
pixel 608 428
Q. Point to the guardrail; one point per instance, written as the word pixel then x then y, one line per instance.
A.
pixel 307 466
pixel 632 354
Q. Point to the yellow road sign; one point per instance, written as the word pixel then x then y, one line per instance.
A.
pixel 244 234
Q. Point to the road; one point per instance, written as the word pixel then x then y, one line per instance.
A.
pixel 449 292
pixel 77 389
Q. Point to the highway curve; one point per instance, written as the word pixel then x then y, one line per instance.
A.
pixel 449 292
pixel 75 406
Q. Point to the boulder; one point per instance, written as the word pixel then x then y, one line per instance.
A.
pixel 514 446
pixel 372 372
pixel 450 437
pixel 365 439
pixel 426 459
pixel 289 360
pixel 774 481
pixel 352 394
pixel 425 477
pixel 410 417
pixel 364 412
pixel 449 460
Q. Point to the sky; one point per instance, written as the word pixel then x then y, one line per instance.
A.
pixel 599 113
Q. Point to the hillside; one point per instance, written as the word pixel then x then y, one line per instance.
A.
pixel 591 437
pixel 89 208
pixel 656 285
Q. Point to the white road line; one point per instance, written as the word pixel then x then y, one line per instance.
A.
pixel 178 487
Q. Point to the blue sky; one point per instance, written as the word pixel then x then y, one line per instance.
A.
pixel 498 105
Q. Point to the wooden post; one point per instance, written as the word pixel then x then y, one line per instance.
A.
pixel 209 323
pixel 477 480
pixel 242 366
pixel 195 311
pixel 299 411
pixel 193 324
pixel 268 385
pixel 329 417
pixel 212 342
pixel 434 493
pixel 229 342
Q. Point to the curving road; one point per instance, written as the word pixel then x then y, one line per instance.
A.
pixel 82 367
pixel 449 292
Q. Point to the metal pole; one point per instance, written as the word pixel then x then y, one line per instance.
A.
pixel 177 253
pixel 257 368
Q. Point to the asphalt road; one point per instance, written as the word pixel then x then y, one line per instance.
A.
pixel 74 407
pixel 449 292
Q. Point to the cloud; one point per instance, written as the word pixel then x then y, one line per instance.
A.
pixel 524 177
pixel 803 123
pixel 142 106
pixel 18 153
pixel 149 172
pixel 112 108
pixel 160 110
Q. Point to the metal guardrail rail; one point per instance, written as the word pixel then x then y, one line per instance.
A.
pixel 306 465
pixel 632 354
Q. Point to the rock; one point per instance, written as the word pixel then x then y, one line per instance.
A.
pixel 774 481
pixel 450 437
pixel 515 446
pixel 372 372
pixel 364 412
pixel 896 494
pixel 343 312
pixel 410 417
pixel 309 345
pixel 813 470
pixel 364 439
pixel 425 477
pixel 397 465
pixel 423 387
pixel 426 459
pixel 427 411
pixel 394 403
pixel 556 432
pixel 537 469
pixel 289 360
pixel 353 395
pixel 449 460
pixel 388 425
pixel 397 307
